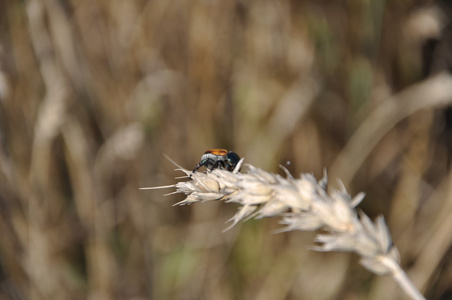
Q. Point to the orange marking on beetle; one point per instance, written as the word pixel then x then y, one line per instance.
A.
pixel 221 152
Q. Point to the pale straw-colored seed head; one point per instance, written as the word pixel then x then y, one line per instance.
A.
pixel 303 204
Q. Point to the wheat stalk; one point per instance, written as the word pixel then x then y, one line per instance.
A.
pixel 304 204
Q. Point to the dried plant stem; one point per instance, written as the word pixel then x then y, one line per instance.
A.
pixel 402 279
pixel 304 204
pixel 431 93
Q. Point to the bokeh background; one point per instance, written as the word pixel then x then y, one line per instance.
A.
pixel 94 93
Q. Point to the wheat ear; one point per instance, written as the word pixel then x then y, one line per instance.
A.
pixel 304 204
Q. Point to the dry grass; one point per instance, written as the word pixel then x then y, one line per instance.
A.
pixel 93 92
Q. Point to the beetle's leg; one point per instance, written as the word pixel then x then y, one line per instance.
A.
pixel 197 167
pixel 220 164
pixel 208 163
pixel 223 164
pixel 200 164
pixel 214 165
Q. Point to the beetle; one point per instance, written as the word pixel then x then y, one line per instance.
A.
pixel 218 158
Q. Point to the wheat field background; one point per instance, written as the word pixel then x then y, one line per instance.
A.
pixel 94 93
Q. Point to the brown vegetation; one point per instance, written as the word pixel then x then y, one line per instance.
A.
pixel 92 93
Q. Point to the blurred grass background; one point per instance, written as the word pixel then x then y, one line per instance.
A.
pixel 93 93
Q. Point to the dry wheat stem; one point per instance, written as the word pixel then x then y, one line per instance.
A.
pixel 304 204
